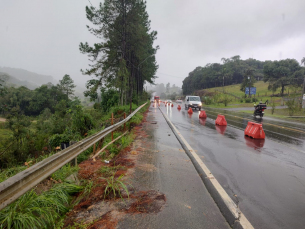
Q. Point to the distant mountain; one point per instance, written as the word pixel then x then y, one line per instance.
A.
pixel 30 78
pixel 11 81
pixel 19 77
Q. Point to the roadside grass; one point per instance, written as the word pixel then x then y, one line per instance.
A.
pixel 12 171
pixel 64 172
pixel 7 173
pixel 262 94
pixel 38 211
pixel 261 90
pixel 110 171
pixel 282 114
pixel 115 185
pixel 41 211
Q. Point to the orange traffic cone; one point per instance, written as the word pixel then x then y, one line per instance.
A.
pixel 172 105
pixel 179 108
pixel 221 120
pixel 202 114
pixel 190 111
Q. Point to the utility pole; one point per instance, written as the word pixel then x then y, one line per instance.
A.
pixel 303 92
pixel 303 87
pixel 223 79
pixel 249 78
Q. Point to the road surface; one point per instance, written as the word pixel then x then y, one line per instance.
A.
pixel 266 178
pixel 170 171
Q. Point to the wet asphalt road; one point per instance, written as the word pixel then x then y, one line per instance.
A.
pixel 266 178
pixel 188 203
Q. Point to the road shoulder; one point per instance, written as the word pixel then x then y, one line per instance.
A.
pixel 163 166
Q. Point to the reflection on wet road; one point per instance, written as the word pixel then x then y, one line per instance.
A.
pixel 266 178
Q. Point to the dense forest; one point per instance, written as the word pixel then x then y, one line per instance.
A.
pixel 122 62
pixel 36 123
pixel 245 72
pixel 125 58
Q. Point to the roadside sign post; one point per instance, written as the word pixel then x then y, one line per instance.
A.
pixel 252 90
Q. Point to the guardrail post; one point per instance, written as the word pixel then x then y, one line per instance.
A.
pixel 100 144
pixel 93 148
pixel 111 125
pixel 124 123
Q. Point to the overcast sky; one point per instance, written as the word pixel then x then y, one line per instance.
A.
pixel 43 36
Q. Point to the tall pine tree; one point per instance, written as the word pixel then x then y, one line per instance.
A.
pixel 125 58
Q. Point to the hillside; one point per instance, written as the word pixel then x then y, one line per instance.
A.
pixel 11 81
pixel 19 77
pixel 237 98
pixel 261 90
pixel 29 78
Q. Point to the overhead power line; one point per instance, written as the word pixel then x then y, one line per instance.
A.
pixel 170 75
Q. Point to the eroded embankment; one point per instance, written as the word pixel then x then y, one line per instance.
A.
pixel 101 208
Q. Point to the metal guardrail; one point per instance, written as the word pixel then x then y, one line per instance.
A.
pixel 12 188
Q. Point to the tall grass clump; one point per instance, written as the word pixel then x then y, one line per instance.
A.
pixel 64 172
pixel 38 211
pixel 114 186
pixel 7 173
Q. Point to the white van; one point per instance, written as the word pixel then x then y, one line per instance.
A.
pixel 192 101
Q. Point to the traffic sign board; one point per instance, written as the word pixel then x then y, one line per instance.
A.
pixel 252 91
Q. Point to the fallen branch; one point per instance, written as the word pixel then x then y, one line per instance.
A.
pixel 95 155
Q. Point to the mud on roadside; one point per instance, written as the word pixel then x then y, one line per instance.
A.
pixel 97 211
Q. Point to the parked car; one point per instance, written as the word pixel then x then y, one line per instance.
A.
pixel 193 101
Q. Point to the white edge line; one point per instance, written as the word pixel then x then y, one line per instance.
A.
pixel 226 198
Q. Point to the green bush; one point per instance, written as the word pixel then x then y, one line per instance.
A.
pixel 110 98
pixel 254 100
pixel 82 122
pixel 84 155
pixel 226 99
pixel 292 106
pixel 207 100
pixel 97 106
pixel 247 100
pixel 273 107
pixel 55 140
pixel 241 100
pixel 119 110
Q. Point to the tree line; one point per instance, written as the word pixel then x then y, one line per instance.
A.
pixel 245 72
pixel 124 59
pixel 34 102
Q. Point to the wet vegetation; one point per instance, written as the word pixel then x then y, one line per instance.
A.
pixel 38 211
pixel 278 74
pixel 37 202
pixel 38 122
pixel 276 82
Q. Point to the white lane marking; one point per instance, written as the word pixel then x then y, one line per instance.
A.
pixel 226 198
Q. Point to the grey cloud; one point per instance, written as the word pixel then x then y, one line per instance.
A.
pixel 43 36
